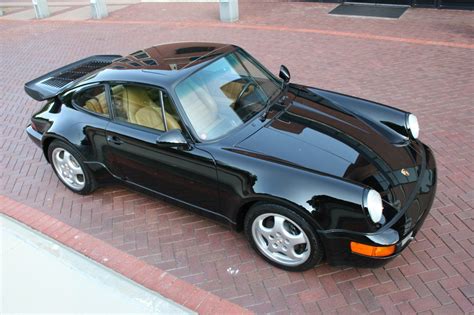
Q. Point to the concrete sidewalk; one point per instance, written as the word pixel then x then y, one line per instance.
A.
pixel 41 275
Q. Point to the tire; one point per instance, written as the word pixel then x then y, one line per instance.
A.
pixel 282 237
pixel 69 166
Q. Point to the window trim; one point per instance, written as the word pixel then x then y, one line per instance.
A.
pixel 138 127
pixel 163 112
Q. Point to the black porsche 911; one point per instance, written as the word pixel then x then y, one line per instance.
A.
pixel 306 173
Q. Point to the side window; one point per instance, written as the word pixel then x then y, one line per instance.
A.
pixel 173 121
pixel 142 105
pixel 92 99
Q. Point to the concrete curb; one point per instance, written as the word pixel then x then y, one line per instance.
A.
pixel 149 276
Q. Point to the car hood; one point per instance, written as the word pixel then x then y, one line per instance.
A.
pixel 316 133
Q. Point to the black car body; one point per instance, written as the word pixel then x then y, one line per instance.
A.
pixel 313 151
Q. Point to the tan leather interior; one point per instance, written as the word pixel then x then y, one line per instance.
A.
pixel 200 107
pixel 139 107
pixel 98 104
pixel 233 88
pixel 151 117
pixel 141 110
pixel 135 98
pixel 171 122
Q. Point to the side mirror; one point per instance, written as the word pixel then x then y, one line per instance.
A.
pixel 285 74
pixel 172 139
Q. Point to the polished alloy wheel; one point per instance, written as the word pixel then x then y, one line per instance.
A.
pixel 68 169
pixel 281 239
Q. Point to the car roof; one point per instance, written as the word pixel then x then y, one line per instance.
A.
pixel 162 64
pixel 172 56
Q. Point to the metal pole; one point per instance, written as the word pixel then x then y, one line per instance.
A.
pixel 98 9
pixel 41 8
pixel 229 10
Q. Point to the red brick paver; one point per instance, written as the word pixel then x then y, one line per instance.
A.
pixel 419 73
pixel 147 275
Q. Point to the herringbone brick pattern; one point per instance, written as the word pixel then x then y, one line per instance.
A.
pixel 435 81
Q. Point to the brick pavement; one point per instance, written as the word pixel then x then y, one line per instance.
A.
pixel 419 73
pixel 149 276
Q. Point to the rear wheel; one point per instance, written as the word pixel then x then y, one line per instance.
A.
pixel 282 237
pixel 68 165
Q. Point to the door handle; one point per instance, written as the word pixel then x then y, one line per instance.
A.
pixel 114 140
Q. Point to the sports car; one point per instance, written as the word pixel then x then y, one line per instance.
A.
pixel 306 173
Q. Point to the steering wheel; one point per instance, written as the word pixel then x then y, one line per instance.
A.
pixel 242 92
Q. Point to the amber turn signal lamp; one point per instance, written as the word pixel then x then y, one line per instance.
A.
pixel 372 251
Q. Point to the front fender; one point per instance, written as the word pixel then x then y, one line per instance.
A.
pixel 327 201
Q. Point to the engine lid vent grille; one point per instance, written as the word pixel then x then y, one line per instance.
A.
pixel 63 78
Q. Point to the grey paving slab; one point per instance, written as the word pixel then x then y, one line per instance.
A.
pixel 82 13
pixel 29 14
pixel 39 275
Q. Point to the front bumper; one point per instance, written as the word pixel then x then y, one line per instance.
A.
pixel 398 232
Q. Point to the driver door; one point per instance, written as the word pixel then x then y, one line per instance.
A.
pixel 140 115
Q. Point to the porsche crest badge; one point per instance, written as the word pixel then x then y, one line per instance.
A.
pixel 405 172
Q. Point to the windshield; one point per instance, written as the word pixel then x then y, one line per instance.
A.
pixel 225 94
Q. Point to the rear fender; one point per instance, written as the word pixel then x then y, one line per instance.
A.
pixel 82 130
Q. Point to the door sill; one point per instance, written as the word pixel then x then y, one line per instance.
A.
pixel 181 202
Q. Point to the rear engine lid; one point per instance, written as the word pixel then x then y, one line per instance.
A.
pixel 51 84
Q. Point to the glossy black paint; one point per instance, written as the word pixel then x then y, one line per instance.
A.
pixel 173 139
pixel 316 152
pixel 284 74
pixel 186 175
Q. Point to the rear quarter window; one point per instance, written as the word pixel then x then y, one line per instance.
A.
pixel 92 99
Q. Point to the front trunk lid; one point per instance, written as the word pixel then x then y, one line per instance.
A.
pixel 316 134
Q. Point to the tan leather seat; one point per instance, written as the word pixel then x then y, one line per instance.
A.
pixel 99 103
pixel 200 108
pixel 141 110
pixel 151 117
pixel 134 99
pixel 171 122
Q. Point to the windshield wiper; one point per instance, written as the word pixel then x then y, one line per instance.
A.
pixel 270 102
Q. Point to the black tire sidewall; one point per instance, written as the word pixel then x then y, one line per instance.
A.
pixel 90 183
pixel 317 251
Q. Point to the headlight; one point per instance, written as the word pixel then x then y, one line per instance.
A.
pixel 413 126
pixel 373 204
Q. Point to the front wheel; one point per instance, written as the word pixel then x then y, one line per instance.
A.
pixel 282 237
pixel 69 167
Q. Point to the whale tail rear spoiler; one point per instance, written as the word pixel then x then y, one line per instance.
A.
pixel 51 84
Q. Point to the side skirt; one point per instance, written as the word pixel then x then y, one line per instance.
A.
pixel 99 168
